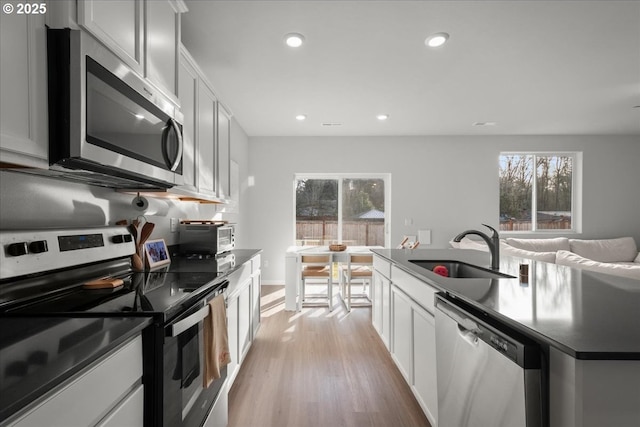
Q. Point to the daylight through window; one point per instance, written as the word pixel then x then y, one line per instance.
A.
pixel 537 191
pixel 340 209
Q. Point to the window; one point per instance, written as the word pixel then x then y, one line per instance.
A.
pixel 538 191
pixel 350 209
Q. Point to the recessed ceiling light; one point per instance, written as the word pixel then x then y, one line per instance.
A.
pixel 437 39
pixel 382 117
pixel 294 39
pixel 301 117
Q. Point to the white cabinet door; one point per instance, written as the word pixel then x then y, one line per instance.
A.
pixel 23 88
pixel 424 362
pixel 206 140
pixel 255 304
pixel 244 319
pixel 162 43
pixel 402 336
pixel 187 89
pixel 224 153
pixel 118 24
pixel 145 34
pixel 386 312
pixel 376 301
pixel 232 331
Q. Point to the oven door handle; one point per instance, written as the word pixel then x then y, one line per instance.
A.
pixel 179 327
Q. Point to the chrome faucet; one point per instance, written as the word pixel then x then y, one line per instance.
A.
pixel 493 243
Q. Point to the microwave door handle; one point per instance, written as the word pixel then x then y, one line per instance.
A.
pixel 172 164
pixel 184 324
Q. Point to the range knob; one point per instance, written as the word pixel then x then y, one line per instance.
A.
pixel 17 249
pixel 122 238
pixel 38 246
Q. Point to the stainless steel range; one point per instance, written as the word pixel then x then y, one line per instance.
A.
pixel 48 286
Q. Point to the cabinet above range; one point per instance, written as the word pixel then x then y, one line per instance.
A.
pixel 144 36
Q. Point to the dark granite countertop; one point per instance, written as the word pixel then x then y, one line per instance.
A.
pixel 39 353
pixel 584 314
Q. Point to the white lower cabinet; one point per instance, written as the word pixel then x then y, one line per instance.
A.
pixel 381 297
pixel 110 393
pixel 413 339
pixel 424 362
pixel 242 323
pixel 232 331
pixel 244 319
pixel 402 335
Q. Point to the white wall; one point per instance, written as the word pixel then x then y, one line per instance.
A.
pixel 446 184
pixel 29 201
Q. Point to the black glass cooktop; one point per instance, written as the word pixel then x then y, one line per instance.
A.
pixel 162 292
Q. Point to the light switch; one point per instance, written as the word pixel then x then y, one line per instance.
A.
pixel 173 224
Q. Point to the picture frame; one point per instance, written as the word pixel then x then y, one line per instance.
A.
pixel 156 253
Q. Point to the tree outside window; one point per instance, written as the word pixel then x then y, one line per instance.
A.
pixel 336 209
pixel 536 192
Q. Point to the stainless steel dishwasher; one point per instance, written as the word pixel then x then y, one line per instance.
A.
pixel 488 376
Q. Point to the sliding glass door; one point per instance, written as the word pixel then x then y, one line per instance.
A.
pixel 349 209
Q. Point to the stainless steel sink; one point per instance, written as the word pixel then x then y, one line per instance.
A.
pixel 462 270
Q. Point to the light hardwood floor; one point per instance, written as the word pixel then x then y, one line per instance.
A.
pixel 319 368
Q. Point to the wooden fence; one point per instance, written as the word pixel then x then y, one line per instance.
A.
pixel 525 225
pixel 324 232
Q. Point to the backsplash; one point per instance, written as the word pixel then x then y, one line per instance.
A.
pixel 30 201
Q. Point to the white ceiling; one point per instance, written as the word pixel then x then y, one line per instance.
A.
pixel 532 67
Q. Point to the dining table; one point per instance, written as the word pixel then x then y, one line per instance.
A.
pixel 293 262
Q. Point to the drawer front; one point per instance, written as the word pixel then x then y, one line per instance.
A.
pixel 419 291
pixel 93 393
pixel 382 265
pixel 129 413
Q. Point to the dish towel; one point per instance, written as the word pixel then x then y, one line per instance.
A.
pixel 216 340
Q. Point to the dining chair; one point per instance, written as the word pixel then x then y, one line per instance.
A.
pixel 317 266
pixel 359 269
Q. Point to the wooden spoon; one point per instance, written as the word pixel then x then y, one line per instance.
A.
pixel 136 261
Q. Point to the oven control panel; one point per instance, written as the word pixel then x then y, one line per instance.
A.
pixel 34 251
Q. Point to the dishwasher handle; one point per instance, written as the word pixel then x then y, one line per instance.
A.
pixel 464 323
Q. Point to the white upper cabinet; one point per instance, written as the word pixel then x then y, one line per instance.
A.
pixel 23 85
pixel 162 43
pixel 145 34
pixel 119 25
pixel 224 153
pixel 187 92
pixel 206 146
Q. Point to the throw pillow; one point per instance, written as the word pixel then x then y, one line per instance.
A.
pixel 623 249
pixel 570 259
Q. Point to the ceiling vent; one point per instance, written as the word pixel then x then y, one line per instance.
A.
pixel 331 124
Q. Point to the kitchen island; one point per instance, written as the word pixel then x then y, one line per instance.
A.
pixel 586 323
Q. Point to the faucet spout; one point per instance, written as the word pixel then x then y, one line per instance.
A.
pixel 493 243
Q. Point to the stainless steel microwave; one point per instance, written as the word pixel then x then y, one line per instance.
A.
pixel 107 124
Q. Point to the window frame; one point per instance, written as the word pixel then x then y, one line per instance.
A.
pixel 340 177
pixel 576 192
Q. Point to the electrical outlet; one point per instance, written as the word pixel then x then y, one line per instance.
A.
pixel 173 224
